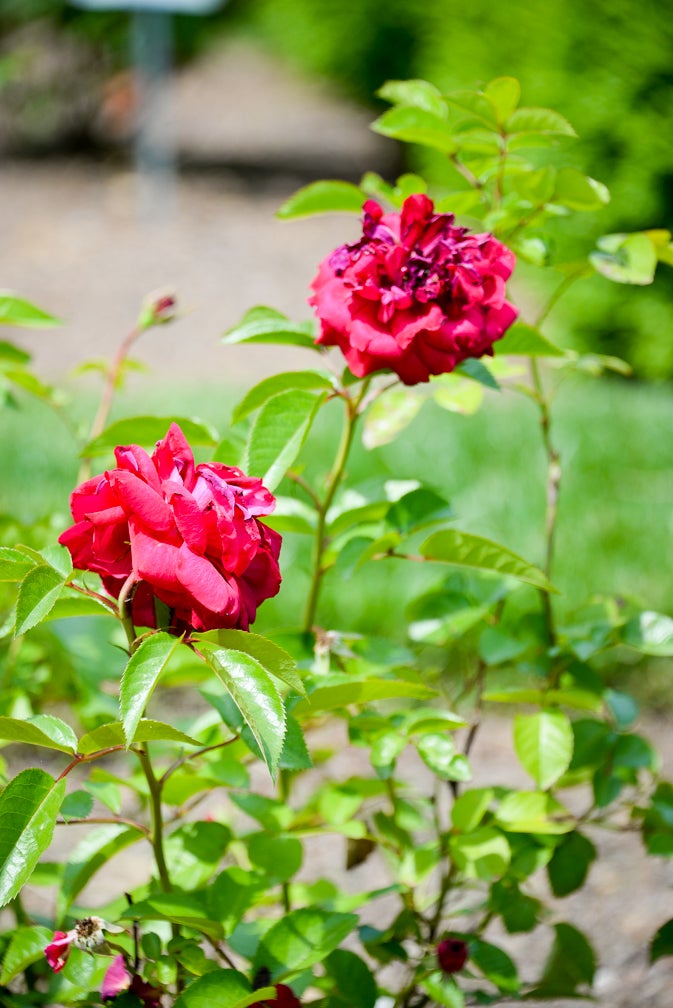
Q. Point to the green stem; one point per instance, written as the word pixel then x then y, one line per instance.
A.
pixel 333 481
pixel 157 834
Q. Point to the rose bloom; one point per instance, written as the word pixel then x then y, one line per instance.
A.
pixel 187 535
pixel 452 954
pixel 415 295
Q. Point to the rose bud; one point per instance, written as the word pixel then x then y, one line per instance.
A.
pixel 452 955
pixel 415 295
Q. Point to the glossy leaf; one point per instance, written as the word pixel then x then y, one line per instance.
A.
pixel 266 325
pixel 25 948
pixel 544 745
pixel 29 806
pixel 418 126
pixel 470 807
pixel 147 430
pixel 278 433
pixel 38 593
pixel 465 550
pixel 302 938
pixel 272 656
pixel 329 196
pixel 42 730
pixel 273 386
pixel 140 678
pixel 495 964
pixel 279 857
pixel 194 851
pixel 533 812
pixel 256 696
pixel 16 311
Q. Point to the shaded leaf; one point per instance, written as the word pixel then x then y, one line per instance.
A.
pixel 302 938
pixel 25 948
pixel 140 677
pixel 29 805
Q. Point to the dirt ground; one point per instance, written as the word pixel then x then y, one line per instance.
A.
pixel 75 242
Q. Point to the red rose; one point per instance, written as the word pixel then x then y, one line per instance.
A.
pixel 416 295
pixel 189 535
pixel 451 955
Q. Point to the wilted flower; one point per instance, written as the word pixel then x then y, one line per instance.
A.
pixel 87 933
pixel 452 954
pixel 187 535
pixel 415 295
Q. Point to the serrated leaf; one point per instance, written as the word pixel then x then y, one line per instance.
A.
pixel 140 677
pixel 326 698
pixel 544 745
pixel 224 988
pixel 42 730
pixel 266 325
pixel 417 93
pixel 270 387
pixel 29 806
pixel 270 655
pixel 539 120
pixel 38 593
pixel 256 696
pixel 278 433
pixel 504 94
pixel 25 948
pixel 523 339
pixel 14 565
pixel 92 853
pixel 16 311
pixel 465 550
pixel 416 125
pixel 328 196
pixel 147 430
pixel 302 938
pixel 147 730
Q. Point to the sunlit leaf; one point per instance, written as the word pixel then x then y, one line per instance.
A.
pixel 278 433
pixel 16 311
pixel 544 745
pixel 465 550
pixel 29 806
pixel 416 125
pixel 323 197
pixel 270 387
pixel 266 325
pixel 147 430
pixel 38 593
pixel 140 677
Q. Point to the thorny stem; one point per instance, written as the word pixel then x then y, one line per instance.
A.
pixel 107 396
pixel 352 413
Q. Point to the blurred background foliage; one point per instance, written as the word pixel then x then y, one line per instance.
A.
pixel 608 68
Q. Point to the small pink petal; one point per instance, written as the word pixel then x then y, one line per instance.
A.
pixel 117 979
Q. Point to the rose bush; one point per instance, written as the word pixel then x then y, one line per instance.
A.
pixel 159 527
pixel 415 295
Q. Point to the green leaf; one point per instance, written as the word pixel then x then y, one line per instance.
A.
pixel 279 857
pixel 650 633
pixel 42 730
pixel 92 853
pixel 226 988
pixel 29 806
pixel 418 509
pixel 295 755
pixel 327 196
pixel 484 853
pixel 544 745
pixel 194 851
pixel 273 386
pixel 13 354
pixel 626 258
pixel 278 433
pixel 470 808
pixel 539 120
pixel 140 678
pixel 388 415
pixel 266 325
pixel 77 805
pixel 504 94
pixel 570 863
pixel 662 943
pixel 14 565
pixel 495 964
pixel 476 104
pixel 579 192
pixel 442 990
pixel 533 812
pixel 256 696
pixel 147 730
pixel 571 964
pixel 465 550
pixel 37 595
pixel 416 93
pixel 326 698
pixel 16 311
pixel 418 126
pixel 147 430
pixel 180 908
pixel 353 980
pixel 523 339
pixel 270 655
pixel 477 371
pixel 302 938
pixel 25 948
pixel 437 752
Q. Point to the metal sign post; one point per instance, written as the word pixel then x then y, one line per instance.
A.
pixel 154 154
